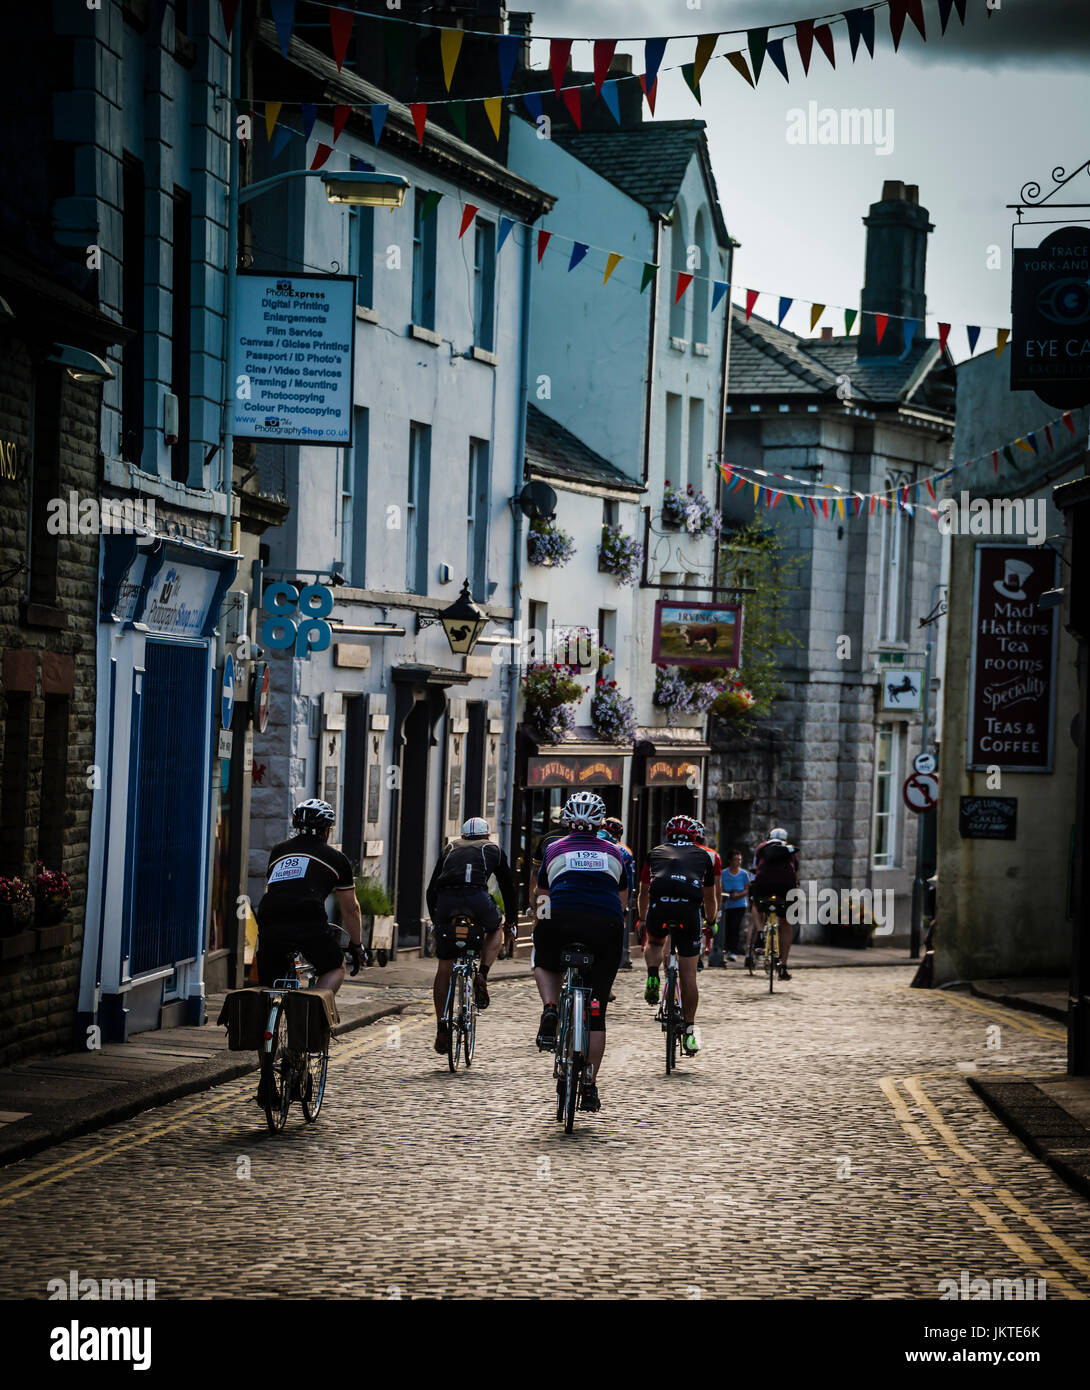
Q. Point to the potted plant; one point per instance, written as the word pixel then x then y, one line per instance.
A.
pixel 612 714
pixel 16 906
pixel 53 893
pixel 550 692
pixel 856 933
pixel 580 649
pixel 547 544
pixel 678 695
pixel 620 555
pixel 690 510
pixel 734 701
pixel 377 912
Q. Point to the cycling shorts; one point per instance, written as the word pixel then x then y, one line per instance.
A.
pixel 684 912
pixel 477 903
pixel 761 893
pixel 277 943
pixel 603 936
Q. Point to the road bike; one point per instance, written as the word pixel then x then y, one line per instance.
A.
pixel 766 942
pixel 460 1011
pixel 572 1033
pixel 670 1013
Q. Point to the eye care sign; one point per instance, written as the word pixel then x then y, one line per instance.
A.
pixel 293 355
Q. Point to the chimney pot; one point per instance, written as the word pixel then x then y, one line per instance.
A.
pixel 893 191
pixel 826 332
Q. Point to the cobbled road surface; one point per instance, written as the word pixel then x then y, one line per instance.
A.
pixel 825 1144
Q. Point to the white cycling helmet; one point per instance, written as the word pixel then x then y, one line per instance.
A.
pixel 584 810
pixel 778 834
pixel 476 828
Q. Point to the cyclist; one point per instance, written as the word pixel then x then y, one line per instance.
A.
pixel 775 872
pixel 677 878
pixel 459 884
pixel 612 830
pixel 584 885
pixel 710 927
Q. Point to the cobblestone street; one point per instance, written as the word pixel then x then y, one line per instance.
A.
pixel 825 1144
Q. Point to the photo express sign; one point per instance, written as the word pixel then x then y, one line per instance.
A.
pixel 294 340
pixel 1050 305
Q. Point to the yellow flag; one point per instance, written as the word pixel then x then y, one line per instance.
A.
pixel 1001 337
pixel 816 311
pixel 705 46
pixel 737 61
pixel 1024 444
pixel 615 258
pixel 450 45
pixel 840 506
pixel 492 107
pixel 272 115
pixel 756 493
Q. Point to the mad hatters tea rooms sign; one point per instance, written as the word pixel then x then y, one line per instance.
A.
pixel 1013 663
pixel 294 342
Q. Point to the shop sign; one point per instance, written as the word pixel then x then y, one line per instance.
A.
pixel 673 771
pixel 1050 306
pixel 697 634
pixel 178 600
pixel 9 460
pixel 575 772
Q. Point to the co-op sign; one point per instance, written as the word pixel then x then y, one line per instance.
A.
pixel 294 339
pixel 1050 304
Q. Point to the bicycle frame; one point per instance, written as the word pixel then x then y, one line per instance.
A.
pixel 572 1039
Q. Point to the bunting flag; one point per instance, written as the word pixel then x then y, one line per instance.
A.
pixel 944 333
pixel 687 72
pixel 705 47
pixel 873 503
pixel 310 115
pixel 785 304
pixel 944 11
pixel 751 299
pixel 719 289
pixel 1025 445
pixel 604 50
pixel 283 136
pixel 738 62
pixel 930 489
pixel 757 41
pixel 450 45
pixel 507 52
pixel 816 311
pixel 910 326
pixel 283 13
pixel 880 321
pixel 825 507
pixel 1001 336
pixel 379 112
pixel 506 226
pixel 431 201
pixel 995 462
pixel 860 26
pixel 1068 421
pixel 1009 456
pixel 804 38
pixel 469 212
pixel 683 283
pixel 1032 438
pixel 1048 436
pixel 972 332
pixel 578 251
pixel 573 101
pixel 340 120
pixel 824 37
pixel 649 273
pixel 419 111
pixel 493 106
pixel 532 101
pixel 543 239
pixel 229 9
pixel 340 27
pixel 899 10
pixel 272 115
pixel 850 316
pixel 776 53
pixel 649 92
pixel 653 50
pixel 612 101
pixel 559 53
pixel 775 498
pixel 612 262
pixel 321 154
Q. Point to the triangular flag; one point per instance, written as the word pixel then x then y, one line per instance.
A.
pixel 972 333
pixel 609 96
pixel 757 40
pixel 492 109
pixel 1048 436
pixel 995 462
pixel 612 262
pixel 756 494
pixel 776 53
pixel 283 136
pixel 1068 421
pixel 705 47
pixel 430 203
pixel 450 45
pixel 823 35
pixel 649 273
pixel 310 115
pixel 1025 445
pixel 542 241
pixel 751 299
pixel 379 112
pixel 559 53
pixel 944 333
pixel 840 507
pixel 649 93
pixel 393 37
pixel 775 498
pixel 860 26
pixel 945 7
pixel 1001 336
pixel 230 9
pixel 578 250
pixel 506 224
pixel 419 111
pixel 825 508
pixel 653 50
pixel 880 321
pixel 816 311
pixel 457 110
pixel 739 64
pixel 719 289
pixel 573 101
pixel 683 283
pixel 899 10
pixel 321 154
pixel 909 328
pixel 469 212
pixel 340 25
pixel 785 304
pixel 283 13
pixel 1032 440
pixel 1009 456
pixel 533 105
pixel 507 52
pixel 340 119
pixel 272 115
pixel 813 505
pixel 687 71
pixel 804 37
pixel 603 56
pixel 930 489
pixel 873 501
pixel 850 316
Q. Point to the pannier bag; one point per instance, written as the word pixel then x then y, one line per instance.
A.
pixel 245 1013
pixel 311 1015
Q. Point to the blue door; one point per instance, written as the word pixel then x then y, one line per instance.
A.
pixel 169 842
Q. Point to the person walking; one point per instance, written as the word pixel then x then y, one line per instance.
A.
pixel 735 881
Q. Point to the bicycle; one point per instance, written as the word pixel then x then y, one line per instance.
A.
pixel 572 1034
pixel 767 941
pixel 670 1013
pixel 460 1010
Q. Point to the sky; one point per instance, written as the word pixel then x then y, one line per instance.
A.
pixel 970 117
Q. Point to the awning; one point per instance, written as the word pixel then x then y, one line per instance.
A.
pixel 428 675
pixel 674 741
pixel 164 585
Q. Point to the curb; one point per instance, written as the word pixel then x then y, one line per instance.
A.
pixel 1002 1097
pixel 1019 1001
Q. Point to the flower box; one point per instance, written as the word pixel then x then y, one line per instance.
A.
pixel 50 911
pixel 49 938
pixel 16 917
pixel 20 944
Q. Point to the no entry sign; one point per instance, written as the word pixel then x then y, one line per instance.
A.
pixel 920 791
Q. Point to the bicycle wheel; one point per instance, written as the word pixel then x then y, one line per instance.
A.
pixel 276 1071
pixel 671 1024
pixel 571 1092
pixel 469 1015
pixel 772 957
pixel 454 1037
pixel 314 1076
pixel 560 1069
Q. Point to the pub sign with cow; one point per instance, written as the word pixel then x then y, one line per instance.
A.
pixel 697 634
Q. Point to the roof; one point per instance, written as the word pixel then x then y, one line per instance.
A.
pixel 555 452
pixel 648 162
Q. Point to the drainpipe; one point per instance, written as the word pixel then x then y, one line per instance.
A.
pixel 227 450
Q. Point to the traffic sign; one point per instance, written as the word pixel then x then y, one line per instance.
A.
pixel 920 791
pixel 260 696
pixel 227 691
pixel 924 762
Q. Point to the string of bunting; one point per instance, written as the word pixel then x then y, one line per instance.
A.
pixel 906 496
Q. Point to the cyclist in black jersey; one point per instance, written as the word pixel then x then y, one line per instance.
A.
pixel 459 885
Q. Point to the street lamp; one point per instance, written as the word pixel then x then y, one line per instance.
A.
pixel 80 364
pixel 463 622
pixel 355 187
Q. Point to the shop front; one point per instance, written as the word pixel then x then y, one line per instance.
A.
pixel 667 780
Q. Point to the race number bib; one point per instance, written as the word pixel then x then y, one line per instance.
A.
pixel 586 861
pixel 291 866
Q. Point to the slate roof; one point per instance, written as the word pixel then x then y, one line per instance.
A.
pixel 555 452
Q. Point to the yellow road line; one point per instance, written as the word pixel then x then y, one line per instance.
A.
pixel 1065 1251
pixel 941 1128
pixel 1009 1016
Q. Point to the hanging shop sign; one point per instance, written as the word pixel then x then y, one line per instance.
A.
pixel 1012 669
pixel 261 694
pixel 672 772
pixel 902 689
pixel 988 817
pixel 293 356
pixel 1050 306
pixel 697 634
pixel 575 772
pixel 297 618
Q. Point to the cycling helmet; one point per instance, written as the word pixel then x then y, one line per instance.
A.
pixel 312 816
pixel 778 834
pixel 614 826
pixel 679 830
pixel 476 828
pixel 606 834
pixel 583 810
pixel 698 832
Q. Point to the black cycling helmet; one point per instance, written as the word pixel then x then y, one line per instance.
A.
pixel 313 816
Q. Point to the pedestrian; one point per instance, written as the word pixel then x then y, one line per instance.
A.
pixel 735 881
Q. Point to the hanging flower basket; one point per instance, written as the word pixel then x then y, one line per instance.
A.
pixel 620 555
pixel 16 906
pixel 678 696
pixel 734 701
pixel 52 893
pixel 580 649
pixel 551 692
pixel 548 545
pixel 690 511
pixel 612 714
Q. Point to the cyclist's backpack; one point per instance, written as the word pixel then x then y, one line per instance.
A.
pixel 776 854
pixel 245 1014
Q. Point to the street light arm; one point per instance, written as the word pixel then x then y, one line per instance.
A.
pixel 254 190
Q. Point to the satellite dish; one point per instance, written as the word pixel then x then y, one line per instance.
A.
pixel 537 501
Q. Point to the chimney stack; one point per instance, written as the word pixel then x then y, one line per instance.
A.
pixel 896 267
pixel 827 331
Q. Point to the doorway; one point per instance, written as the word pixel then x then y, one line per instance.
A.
pixel 412 823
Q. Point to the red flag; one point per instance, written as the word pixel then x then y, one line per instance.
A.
pixel 573 101
pixel 899 10
pixel 775 499
pixel 603 56
pixel 873 501
pixel 944 333
pixel 804 36
pixel 824 36
pixel 825 508
pixel 420 115
pixel 683 283
pixel 340 119
pixel 930 489
pixel 1048 436
pixel 1066 417
pixel 542 241
pixel 880 321
pixel 904 497
pixel 751 299
pixel 469 212
pixel 559 53
pixel 650 95
pixel 321 154
pixel 230 9
pixel 995 462
pixel 340 24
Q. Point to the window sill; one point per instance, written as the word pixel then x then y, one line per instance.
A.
pixel 679 344
pixel 701 350
pixel 366 315
pixel 480 354
pixel 42 615
pixel 425 335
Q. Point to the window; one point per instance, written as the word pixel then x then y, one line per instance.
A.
pixel 611 511
pixel 15 783
pixel 477 519
pixel 696 444
pixel 887 779
pixel 354 504
pixel 678 266
pixel 701 281
pixel 607 635
pixel 45 456
pixel 533 648
pixel 423 263
pixel 484 286
pixel 674 472
pixel 54 798
pixel 363 232
pixel 132 311
pixel 180 331
pixel 893 568
pixel 416 526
